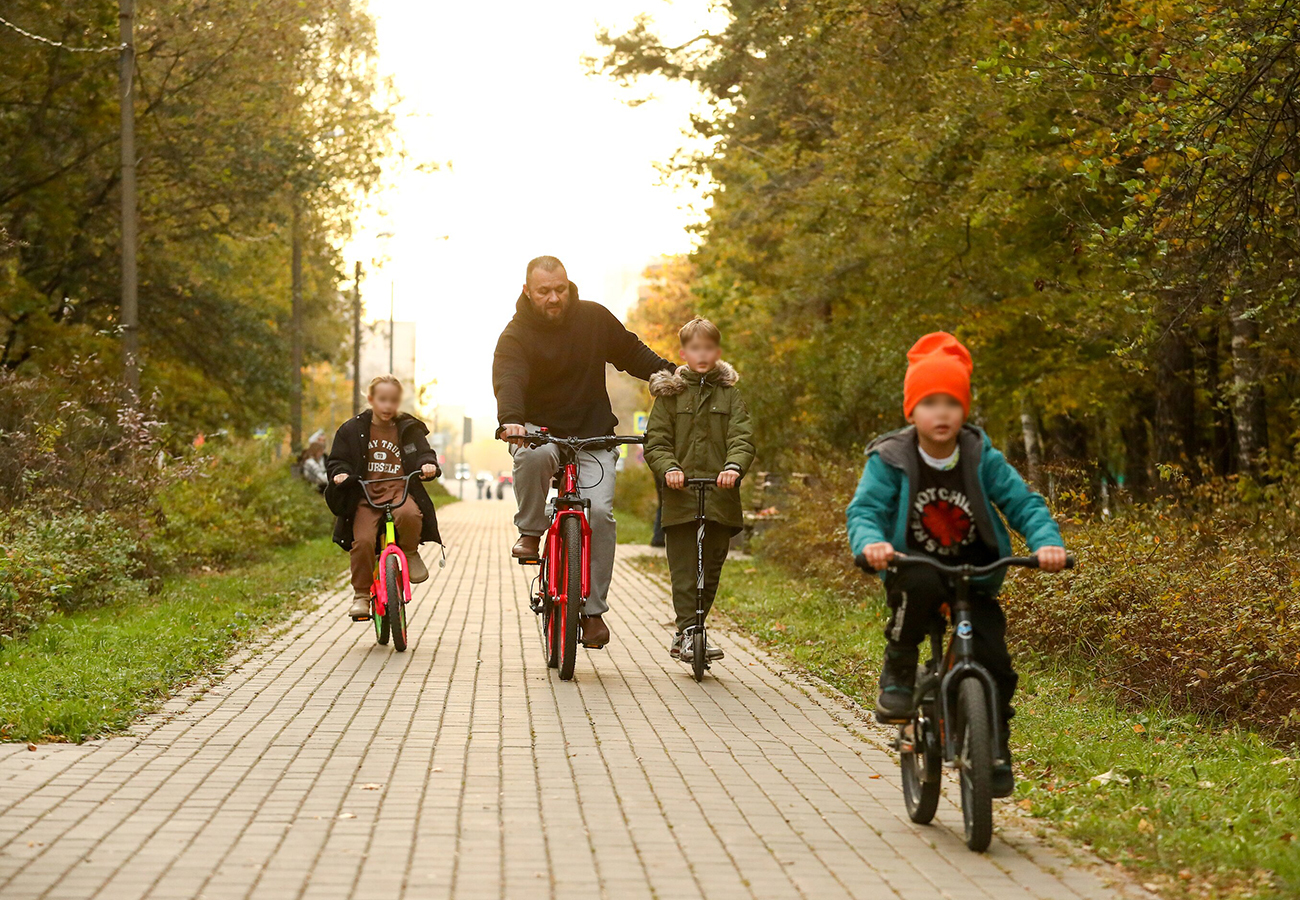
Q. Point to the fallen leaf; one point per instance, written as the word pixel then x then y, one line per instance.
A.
pixel 1111 776
pixel 1146 827
pixel 437 768
pixel 372 786
pixel 1276 762
pixel 1185 874
pixel 873 776
pixel 31 746
pixel 1286 838
pixel 1201 673
pixel 1205 784
pixel 1139 728
pixel 1026 804
pixel 347 815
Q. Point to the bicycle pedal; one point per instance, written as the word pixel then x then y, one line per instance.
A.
pixel 884 719
pixel 528 561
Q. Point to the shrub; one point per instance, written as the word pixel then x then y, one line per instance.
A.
pixel 635 492
pixel 97 503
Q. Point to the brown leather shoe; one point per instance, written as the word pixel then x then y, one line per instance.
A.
pixel 595 633
pixel 527 547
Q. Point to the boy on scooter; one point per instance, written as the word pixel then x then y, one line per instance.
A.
pixel 699 428
pixel 934 488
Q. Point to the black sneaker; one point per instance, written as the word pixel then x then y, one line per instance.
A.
pixel 897 679
pixel 1004 782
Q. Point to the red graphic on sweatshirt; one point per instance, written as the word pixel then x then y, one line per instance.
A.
pixel 947 524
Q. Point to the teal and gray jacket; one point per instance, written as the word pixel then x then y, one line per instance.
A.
pixel 887 490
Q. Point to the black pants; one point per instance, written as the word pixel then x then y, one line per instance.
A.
pixel 683 565
pixel 915 594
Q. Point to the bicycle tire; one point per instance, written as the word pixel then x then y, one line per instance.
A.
pixel 570 611
pixel 699 662
pixel 976 754
pixel 395 608
pixel 921 769
pixel 382 630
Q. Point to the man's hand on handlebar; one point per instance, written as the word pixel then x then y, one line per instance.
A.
pixel 1051 559
pixel 676 479
pixel 727 478
pixel 879 555
pixel 512 431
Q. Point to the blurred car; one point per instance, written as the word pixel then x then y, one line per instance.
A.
pixel 462 471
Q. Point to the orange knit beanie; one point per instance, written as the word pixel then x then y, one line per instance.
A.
pixel 937 364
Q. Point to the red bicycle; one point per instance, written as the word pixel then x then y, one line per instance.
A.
pixel 391 590
pixel 565 558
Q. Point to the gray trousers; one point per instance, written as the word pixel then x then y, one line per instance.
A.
pixel 534 467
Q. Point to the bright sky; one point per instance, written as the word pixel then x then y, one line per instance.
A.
pixel 544 160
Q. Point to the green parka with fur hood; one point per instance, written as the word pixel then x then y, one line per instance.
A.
pixel 700 425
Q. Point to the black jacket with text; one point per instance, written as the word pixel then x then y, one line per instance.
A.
pixel 348 456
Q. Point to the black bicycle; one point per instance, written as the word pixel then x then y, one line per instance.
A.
pixel 564 582
pixel 955 711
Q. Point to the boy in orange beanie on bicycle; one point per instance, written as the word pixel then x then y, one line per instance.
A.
pixel 934 488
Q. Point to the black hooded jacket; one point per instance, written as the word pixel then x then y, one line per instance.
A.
pixel 348 456
pixel 552 373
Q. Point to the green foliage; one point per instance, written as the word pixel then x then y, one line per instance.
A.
pixel 635 502
pixel 1093 198
pixel 96 504
pixel 93 671
pixel 240 119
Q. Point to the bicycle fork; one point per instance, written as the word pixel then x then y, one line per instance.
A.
pixel 962 665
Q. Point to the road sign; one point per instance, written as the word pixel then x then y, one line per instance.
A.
pixel 469 431
pixel 639 420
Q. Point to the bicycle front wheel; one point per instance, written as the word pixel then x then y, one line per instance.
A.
pixel 395 611
pixel 569 613
pixel 698 647
pixel 976 756
pixel 921 769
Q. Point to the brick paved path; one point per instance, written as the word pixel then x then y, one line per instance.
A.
pixel 326 766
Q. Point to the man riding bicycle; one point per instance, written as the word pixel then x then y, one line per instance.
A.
pixel 549 371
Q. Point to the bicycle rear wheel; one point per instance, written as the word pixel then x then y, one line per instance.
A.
pixel 568 614
pixel 395 612
pixel 976 756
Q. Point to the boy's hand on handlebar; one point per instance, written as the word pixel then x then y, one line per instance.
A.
pixel 676 479
pixel 879 554
pixel 340 477
pixel 512 430
pixel 727 478
pixel 1051 559
pixel 428 471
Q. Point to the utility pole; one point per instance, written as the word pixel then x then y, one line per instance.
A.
pixel 295 392
pixel 130 277
pixel 356 340
pixel 391 289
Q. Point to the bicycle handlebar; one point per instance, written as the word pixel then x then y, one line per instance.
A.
pixel 903 559
pixel 607 441
pixel 406 488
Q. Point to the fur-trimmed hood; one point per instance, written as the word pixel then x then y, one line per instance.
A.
pixel 668 384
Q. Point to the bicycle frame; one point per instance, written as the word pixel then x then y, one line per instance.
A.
pixel 959 663
pixel 568 503
pixel 389 545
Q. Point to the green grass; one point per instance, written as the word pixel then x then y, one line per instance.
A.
pixel 81 675
pixel 632 528
pixel 1205 812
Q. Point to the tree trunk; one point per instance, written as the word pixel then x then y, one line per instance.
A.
pixel 1137 450
pixel 1033 457
pixel 1175 422
pixel 1221 440
pixel 1248 389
